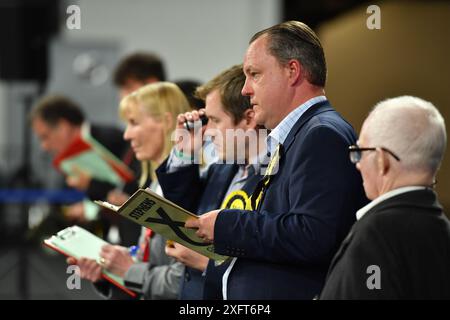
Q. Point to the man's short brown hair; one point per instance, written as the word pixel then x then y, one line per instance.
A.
pixel 139 66
pixel 229 83
pixel 53 108
pixel 295 40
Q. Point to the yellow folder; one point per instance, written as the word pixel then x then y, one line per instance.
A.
pixel 164 217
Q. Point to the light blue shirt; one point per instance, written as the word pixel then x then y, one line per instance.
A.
pixel 281 131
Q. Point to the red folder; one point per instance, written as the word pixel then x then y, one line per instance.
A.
pixel 91 156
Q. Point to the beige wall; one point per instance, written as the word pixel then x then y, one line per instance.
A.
pixel 408 56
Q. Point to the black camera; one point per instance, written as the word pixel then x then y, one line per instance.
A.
pixel 189 125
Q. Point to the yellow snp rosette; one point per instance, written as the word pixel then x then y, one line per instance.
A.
pixel 238 200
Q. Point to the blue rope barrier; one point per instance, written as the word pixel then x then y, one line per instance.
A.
pixel 18 196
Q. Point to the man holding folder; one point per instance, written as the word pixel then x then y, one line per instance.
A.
pixel 223 184
pixel 302 211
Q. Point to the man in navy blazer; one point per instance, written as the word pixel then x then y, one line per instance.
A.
pixel 284 245
pixel 228 112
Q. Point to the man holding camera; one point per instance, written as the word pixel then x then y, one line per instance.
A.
pixel 231 126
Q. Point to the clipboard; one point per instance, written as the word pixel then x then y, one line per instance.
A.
pixel 77 242
pixel 150 210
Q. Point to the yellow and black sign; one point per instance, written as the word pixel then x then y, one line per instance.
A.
pixel 237 200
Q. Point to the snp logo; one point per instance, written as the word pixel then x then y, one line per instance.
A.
pixel 374 280
pixel 73 21
pixel 73 281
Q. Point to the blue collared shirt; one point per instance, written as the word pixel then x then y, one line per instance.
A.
pixel 281 131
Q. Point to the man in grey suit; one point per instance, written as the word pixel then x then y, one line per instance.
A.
pixel 400 246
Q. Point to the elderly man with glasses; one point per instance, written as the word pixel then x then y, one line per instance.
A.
pixel 400 246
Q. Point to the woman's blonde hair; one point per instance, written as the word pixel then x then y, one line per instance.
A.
pixel 157 100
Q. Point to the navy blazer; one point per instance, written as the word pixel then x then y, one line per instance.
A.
pixel 285 248
pixel 199 195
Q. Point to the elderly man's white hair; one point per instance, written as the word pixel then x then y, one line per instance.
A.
pixel 410 127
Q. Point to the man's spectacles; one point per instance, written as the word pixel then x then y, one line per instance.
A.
pixel 356 153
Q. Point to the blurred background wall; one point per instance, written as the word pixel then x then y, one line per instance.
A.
pixel 409 55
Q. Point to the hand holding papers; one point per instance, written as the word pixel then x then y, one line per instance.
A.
pixel 77 242
pixel 204 225
pixel 164 217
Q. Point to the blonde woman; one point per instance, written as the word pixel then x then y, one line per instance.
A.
pixel 150 114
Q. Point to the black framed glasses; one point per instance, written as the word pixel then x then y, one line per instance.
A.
pixel 356 153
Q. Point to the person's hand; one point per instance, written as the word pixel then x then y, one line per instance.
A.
pixel 115 259
pixel 204 225
pixel 75 212
pixel 117 197
pixel 89 268
pixel 184 139
pixel 79 179
pixel 187 256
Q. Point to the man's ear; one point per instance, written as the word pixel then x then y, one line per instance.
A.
pixel 383 164
pixel 249 118
pixel 65 125
pixel 295 72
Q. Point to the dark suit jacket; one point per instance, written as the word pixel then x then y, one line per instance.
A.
pixel 200 195
pixel 408 238
pixel 284 250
